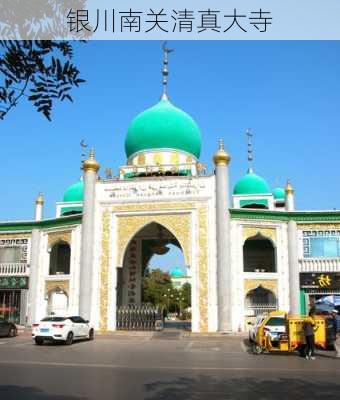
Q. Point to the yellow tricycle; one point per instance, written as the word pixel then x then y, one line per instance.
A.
pixel 290 337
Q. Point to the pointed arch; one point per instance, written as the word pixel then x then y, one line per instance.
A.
pixel 128 227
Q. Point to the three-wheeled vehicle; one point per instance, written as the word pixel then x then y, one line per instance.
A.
pixel 293 339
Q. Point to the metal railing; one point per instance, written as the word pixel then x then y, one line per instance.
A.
pixel 139 318
pixel 14 269
pixel 319 264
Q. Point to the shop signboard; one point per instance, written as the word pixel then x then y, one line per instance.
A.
pixel 14 282
pixel 320 280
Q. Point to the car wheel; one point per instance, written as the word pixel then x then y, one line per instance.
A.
pixel 12 332
pixel 69 339
pixel 39 341
pixel 91 334
pixel 257 349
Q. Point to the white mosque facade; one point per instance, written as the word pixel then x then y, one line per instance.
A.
pixel 248 252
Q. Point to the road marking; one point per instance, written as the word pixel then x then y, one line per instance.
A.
pixel 189 346
pixel 163 367
pixel 4 342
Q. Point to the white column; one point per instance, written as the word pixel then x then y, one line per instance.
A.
pixel 39 208
pixel 34 274
pixel 294 278
pixel 90 168
pixel 224 278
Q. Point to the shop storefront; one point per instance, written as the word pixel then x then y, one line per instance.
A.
pixel 13 298
pixel 316 286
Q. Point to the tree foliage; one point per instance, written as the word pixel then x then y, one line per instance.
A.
pixel 159 290
pixel 156 284
pixel 40 70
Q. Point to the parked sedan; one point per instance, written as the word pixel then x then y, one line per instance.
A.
pixel 62 329
pixel 7 328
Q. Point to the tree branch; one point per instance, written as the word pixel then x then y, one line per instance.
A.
pixel 14 102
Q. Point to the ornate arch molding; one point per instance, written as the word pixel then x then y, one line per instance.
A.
pixel 61 236
pixel 268 233
pixel 251 284
pixel 129 225
pixel 51 286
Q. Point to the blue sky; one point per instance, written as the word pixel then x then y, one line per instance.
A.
pixel 287 92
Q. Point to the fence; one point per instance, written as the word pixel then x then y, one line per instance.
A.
pixel 139 318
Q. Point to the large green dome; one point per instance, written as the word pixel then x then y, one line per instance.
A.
pixel 75 192
pixel 251 183
pixel 163 126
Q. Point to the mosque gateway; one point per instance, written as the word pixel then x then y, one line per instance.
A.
pixel 246 250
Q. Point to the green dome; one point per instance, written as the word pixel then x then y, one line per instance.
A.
pixel 279 193
pixel 163 126
pixel 177 273
pixel 75 192
pixel 251 183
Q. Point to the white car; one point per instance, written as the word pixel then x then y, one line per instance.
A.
pixel 65 329
pixel 274 327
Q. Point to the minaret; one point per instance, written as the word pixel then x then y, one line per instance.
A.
pixel 293 257
pixel 224 286
pixel 33 292
pixel 290 203
pixel 250 150
pixel 90 168
pixel 165 71
pixel 39 207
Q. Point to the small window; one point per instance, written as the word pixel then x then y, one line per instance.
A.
pixel 10 254
pixel 53 319
pixel 60 259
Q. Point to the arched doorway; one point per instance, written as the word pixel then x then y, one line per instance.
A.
pixel 259 254
pixel 259 301
pixel 141 284
pixel 57 302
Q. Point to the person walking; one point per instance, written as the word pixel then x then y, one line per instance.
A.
pixel 336 325
pixel 309 331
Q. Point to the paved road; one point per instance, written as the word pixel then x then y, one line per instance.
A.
pixel 160 368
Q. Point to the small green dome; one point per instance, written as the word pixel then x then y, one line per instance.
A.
pixel 163 126
pixel 177 273
pixel 75 192
pixel 251 183
pixel 279 193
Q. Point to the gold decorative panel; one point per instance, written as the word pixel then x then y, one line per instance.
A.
pixel 54 237
pixel 129 225
pixel 141 159
pixel 157 158
pixel 53 285
pixel 203 269
pixel 104 270
pixel 174 158
pixel 249 232
pixel 189 160
pixel 270 284
pixel 318 227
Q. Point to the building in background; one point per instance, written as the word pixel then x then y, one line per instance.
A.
pixel 179 277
